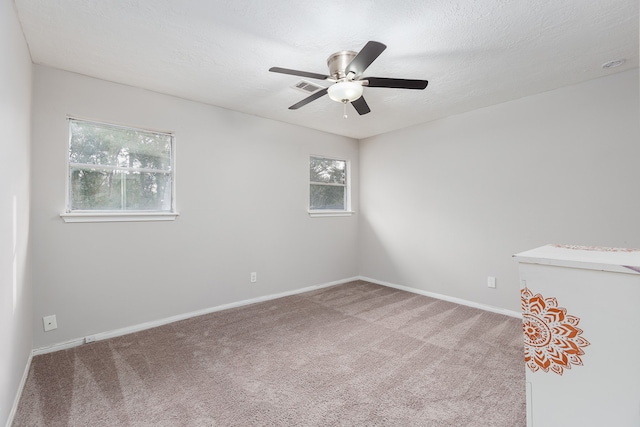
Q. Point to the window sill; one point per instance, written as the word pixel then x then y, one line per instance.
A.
pixel 317 214
pixel 118 216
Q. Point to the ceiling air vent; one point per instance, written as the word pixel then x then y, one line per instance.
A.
pixel 307 87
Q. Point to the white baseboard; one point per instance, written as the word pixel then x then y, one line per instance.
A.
pixel 16 400
pixel 155 323
pixel 446 298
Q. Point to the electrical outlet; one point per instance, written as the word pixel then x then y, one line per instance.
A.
pixel 50 323
pixel 89 339
pixel 254 277
pixel 491 282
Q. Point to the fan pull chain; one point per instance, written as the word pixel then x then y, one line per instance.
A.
pixel 344 103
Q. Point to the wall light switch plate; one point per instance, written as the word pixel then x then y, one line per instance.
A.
pixel 491 282
pixel 50 323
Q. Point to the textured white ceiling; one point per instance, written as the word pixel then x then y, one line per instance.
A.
pixel 474 53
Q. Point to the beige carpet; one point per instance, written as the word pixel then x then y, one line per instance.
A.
pixel 356 354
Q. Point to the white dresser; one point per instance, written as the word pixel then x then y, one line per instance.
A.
pixel 581 324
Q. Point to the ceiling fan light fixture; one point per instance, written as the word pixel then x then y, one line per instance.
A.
pixel 345 70
pixel 345 91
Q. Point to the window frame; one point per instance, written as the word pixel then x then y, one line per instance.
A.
pixel 347 185
pixel 105 215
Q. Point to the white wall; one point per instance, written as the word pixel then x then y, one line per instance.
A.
pixel 15 288
pixel 445 204
pixel 242 192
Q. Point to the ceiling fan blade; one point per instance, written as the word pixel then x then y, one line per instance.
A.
pixel 365 57
pixel 361 106
pixel 396 83
pixel 308 99
pixel 298 73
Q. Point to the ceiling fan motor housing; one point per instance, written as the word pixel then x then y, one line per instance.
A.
pixel 338 63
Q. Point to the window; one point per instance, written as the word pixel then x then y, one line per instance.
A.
pixel 329 186
pixel 119 172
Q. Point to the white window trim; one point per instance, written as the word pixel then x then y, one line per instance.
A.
pixel 318 213
pixel 118 216
pixel 121 216
pixel 325 213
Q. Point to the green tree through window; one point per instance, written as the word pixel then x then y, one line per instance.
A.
pixel 328 184
pixel 115 168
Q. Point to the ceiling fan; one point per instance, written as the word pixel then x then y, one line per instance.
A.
pixel 345 71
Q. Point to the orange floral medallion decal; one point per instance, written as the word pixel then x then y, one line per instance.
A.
pixel 552 340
